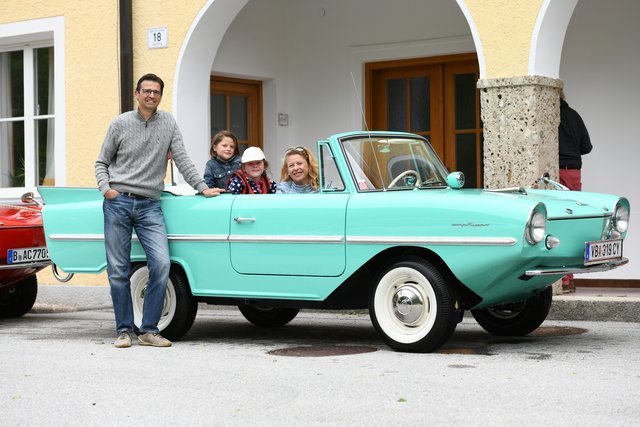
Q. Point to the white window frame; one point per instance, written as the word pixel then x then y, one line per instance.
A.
pixel 27 36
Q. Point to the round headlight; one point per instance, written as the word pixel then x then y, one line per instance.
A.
pixel 536 227
pixel 621 219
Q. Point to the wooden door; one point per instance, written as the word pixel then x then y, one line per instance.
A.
pixel 236 105
pixel 435 97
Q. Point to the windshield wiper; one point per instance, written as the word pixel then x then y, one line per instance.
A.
pixel 433 182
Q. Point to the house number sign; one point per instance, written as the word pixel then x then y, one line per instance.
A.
pixel 157 37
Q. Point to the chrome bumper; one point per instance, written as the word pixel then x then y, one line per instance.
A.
pixel 25 265
pixel 559 271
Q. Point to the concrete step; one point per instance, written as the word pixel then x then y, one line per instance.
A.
pixel 597 304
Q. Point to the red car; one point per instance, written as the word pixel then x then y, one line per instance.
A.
pixel 22 254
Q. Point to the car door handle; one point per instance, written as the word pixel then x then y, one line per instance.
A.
pixel 241 219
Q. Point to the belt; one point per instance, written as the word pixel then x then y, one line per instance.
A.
pixel 135 196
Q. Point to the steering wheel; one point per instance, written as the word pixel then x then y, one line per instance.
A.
pixel 402 175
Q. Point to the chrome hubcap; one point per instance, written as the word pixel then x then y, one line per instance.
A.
pixel 408 304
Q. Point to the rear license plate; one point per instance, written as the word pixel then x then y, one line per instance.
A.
pixel 26 255
pixel 602 250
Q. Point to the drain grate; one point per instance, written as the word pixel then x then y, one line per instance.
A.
pixel 322 351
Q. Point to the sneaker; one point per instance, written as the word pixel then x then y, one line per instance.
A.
pixel 123 340
pixel 155 340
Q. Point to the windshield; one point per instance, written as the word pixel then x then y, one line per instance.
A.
pixel 381 163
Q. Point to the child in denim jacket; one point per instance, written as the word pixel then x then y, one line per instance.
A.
pixel 225 159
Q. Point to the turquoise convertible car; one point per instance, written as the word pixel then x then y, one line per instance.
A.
pixel 391 230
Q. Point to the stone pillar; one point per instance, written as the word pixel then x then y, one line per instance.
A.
pixel 520 118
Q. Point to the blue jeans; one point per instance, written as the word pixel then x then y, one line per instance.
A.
pixel 121 215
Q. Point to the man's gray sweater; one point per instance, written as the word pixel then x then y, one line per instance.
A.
pixel 133 158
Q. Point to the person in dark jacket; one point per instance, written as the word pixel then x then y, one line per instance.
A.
pixel 573 141
pixel 225 159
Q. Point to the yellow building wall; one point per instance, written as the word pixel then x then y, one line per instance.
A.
pixel 92 71
pixel 177 17
pixel 505 28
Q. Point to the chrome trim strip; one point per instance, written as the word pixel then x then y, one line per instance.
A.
pixel 238 238
pixel 543 271
pixel 426 240
pixel 172 237
pixel 197 237
pixel 358 240
pixel 212 238
pixel 80 237
pixel 570 217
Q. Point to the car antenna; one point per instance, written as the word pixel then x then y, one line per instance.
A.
pixel 366 127
pixel 364 119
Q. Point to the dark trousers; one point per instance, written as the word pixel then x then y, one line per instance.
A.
pixel 570 178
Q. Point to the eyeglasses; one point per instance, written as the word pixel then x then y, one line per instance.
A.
pixel 151 91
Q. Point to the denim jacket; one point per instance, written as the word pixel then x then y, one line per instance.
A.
pixel 217 171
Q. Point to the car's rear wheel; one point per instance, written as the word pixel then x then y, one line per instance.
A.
pixel 180 308
pixel 518 319
pixel 19 299
pixel 412 307
pixel 268 317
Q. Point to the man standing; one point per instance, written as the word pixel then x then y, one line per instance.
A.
pixel 574 141
pixel 130 171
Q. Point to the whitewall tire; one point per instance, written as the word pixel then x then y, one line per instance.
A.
pixel 179 310
pixel 412 307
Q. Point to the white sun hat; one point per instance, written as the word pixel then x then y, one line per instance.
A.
pixel 252 154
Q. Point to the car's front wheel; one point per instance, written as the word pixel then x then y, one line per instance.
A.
pixel 412 307
pixel 515 320
pixel 19 299
pixel 269 317
pixel 180 308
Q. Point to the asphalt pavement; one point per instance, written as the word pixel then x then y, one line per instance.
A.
pixel 323 369
pixel 587 303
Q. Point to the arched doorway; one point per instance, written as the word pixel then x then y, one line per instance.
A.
pixel 193 73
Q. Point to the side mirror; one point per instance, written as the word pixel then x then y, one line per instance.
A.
pixel 455 180
pixel 29 198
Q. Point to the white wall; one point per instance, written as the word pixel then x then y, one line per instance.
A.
pixel 256 47
pixel 600 68
pixel 304 51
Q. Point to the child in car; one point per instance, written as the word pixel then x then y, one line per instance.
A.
pixel 252 177
pixel 225 159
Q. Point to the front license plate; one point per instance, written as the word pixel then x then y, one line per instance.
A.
pixel 26 255
pixel 602 250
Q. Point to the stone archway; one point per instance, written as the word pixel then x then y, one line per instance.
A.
pixel 520 113
pixel 201 44
pixel 546 41
pixel 548 38
pixel 193 70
